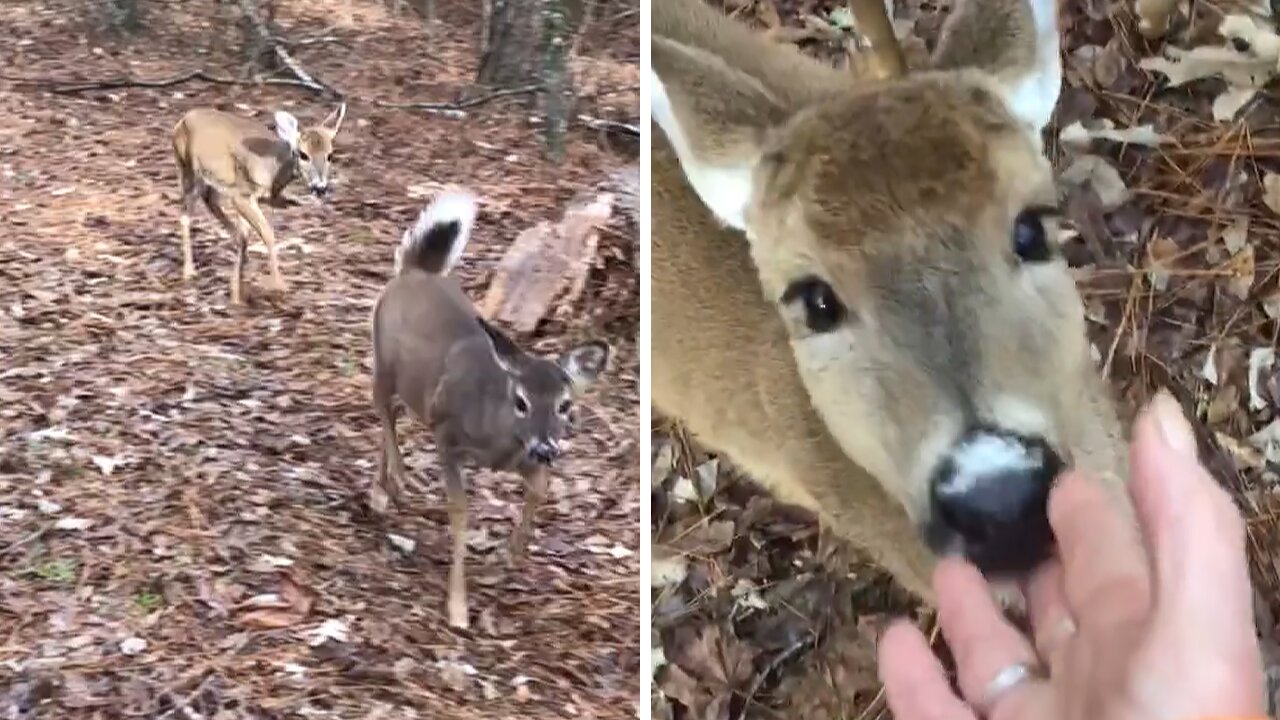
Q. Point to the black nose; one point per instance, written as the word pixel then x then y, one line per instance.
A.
pixel 544 452
pixel 990 498
pixel 319 190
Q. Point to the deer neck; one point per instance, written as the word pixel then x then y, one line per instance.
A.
pixel 286 171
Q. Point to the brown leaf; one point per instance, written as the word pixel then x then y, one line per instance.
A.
pixel 1241 269
pixel 703 538
pixel 294 606
pixel 715 657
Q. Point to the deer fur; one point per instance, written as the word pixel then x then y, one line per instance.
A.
pixel 486 401
pixel 772 171
pixel 221 155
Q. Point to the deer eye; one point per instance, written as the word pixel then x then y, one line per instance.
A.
pixel 522 406
pixel 1030 240
pixel 303 156
pixel 565 407
pixel 823 310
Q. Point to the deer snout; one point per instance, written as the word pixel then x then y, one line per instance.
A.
pixel 544 451
pixel 990 497
pixel 320 188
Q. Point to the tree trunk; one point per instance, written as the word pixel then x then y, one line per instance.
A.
pixel 510 56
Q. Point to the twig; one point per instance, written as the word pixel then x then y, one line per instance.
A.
pixel 610 126
pixel 186 703
pixel 773 665
pixel 459 105
pixel 131 82
pixel 26 540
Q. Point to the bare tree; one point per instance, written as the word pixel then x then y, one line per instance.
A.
pixel 513 38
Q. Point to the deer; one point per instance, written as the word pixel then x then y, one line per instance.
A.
pixel 485 401
pixel 221 155
pixel 858 295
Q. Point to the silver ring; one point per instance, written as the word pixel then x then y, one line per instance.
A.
pixel 1008 678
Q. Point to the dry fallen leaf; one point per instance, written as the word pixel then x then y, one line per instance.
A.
pixel 1077 134
pixel 1095 171
pixel 292 607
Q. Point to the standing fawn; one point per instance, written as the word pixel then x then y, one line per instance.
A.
pixel 485 400
pixel 220 154
pixel 857 295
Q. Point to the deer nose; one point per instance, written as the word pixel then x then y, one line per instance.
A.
pixel 544 451
pixel 320 188
pixel 990 497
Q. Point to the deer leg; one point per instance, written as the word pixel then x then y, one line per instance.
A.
pixel 252 212
pixel 190 196
pixel 535 493
pixel 458 526
pixel 212 201
pixel 390 480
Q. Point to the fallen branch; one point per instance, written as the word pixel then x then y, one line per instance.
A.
pixel 458 105
pixel 130 82
pixel 610 126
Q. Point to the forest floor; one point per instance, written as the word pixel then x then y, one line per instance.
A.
pixel 1174 196
pixel 182 531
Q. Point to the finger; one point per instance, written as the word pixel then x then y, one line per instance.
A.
pixel 983 642
pixel 1196 532
pixel 1106 575
pixel 1051 622
pixel 915 685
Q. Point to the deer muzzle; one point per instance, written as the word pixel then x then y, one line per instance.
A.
pixel 544 451
pixel 989 501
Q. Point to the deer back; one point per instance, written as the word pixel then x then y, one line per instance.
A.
pixel 243 156
pixel 488 400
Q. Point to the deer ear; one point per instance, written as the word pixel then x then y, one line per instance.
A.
pixel 334 122
pixel 287 128
pixel 715 118
pixel 1025 63
pixel 584 363
pixel 507 352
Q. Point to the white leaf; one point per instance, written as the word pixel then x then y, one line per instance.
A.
pixel 73 524
pixel 107 464
pixel 1237 235
pixel 331 629
pixel 1210 369
pixel 133 646
pixel 1098 173
pixel 667 571
pixel 682 490
pixel 1077 134
pixel 402 543
pixel 1268 441
pixel 1260 361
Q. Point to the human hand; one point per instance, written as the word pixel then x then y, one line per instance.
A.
pixel 1121 631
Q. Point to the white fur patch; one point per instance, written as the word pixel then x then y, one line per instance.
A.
pixel 1033 98
pixel 983 456
pixel 287 128
pixel 452 206
pixel 724 190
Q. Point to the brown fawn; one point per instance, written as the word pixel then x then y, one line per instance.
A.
pixel 486 401
pixel 857 295
pixel 224 155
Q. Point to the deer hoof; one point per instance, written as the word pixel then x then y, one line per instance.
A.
pixel 458 615
pixel 378 500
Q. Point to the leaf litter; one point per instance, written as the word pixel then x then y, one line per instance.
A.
pixel 182 533
pixel 1169 170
